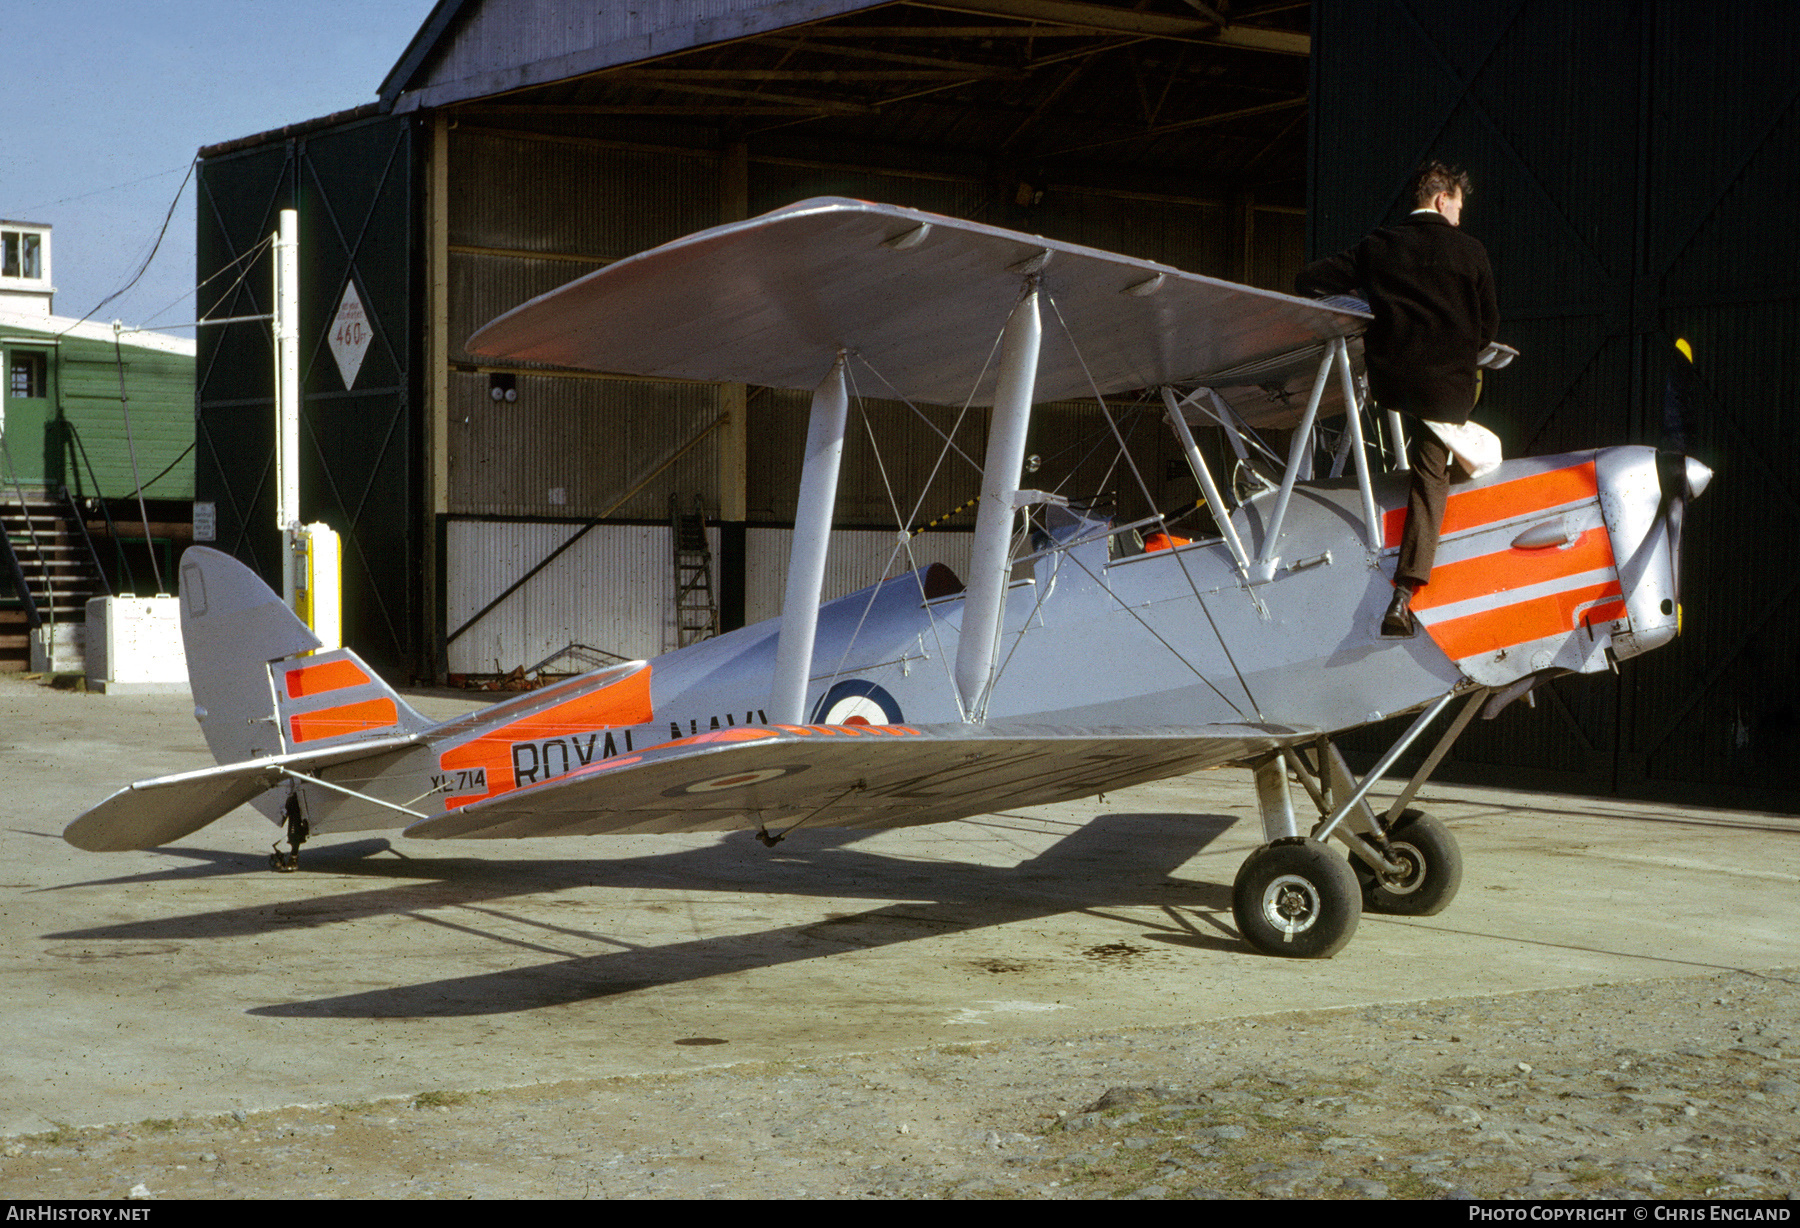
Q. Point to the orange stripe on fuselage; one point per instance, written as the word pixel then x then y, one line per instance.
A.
pixel 1513 568
pixel 1484 505
pixel 1475 635
pixel 348 718
pixel 625 702
pixel 318 679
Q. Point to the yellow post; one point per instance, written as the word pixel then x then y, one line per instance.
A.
pixel 318 582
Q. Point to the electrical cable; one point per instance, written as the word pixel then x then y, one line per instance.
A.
pixel 154 248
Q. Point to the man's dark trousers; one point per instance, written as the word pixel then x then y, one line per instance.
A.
pixel 1430 461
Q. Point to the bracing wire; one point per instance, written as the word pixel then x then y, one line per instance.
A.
pixel 244 260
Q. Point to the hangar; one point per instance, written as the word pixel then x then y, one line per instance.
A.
pixel 496 518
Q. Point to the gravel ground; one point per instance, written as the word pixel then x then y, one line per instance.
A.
pixel 1680 1088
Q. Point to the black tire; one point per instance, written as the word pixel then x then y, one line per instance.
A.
pixel 1296 898
pixel 1434 869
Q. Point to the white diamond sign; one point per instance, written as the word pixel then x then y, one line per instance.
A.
pixel 350 335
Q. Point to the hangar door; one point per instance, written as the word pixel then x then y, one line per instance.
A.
pixel 1628 160
pixel 355 185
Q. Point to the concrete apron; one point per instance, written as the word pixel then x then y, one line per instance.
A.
pixel 191 980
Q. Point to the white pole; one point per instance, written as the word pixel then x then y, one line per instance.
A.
pixel 287 393
pixel 990 569
pixel 806 558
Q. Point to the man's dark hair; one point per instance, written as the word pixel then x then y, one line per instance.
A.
pixel 1435 177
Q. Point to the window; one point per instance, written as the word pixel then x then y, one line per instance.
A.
pixel 25 375
pixel 21 254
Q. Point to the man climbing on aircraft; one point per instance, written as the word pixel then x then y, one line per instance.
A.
pixel 1432 292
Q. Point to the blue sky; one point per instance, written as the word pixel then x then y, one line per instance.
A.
pixel 105 104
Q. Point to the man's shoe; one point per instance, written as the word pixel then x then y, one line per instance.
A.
pixel 1397 623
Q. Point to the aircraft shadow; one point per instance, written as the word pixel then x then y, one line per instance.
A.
pixel 1118 860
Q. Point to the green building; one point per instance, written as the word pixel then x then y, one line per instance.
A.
pixel 91 415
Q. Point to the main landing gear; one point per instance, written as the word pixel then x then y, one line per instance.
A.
pixel 1296 896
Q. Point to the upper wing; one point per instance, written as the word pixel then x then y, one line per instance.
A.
pixel 848 776
pixel 919 297
pixel 1273 393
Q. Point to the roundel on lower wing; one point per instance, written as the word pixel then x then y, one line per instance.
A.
pixel 735 780
pixel 857 703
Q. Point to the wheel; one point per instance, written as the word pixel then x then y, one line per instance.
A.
pixel 1296 898
pixel 1433 864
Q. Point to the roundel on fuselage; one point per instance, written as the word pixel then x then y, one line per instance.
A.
pixel 856 702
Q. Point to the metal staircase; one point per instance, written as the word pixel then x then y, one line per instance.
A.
pixel 48 570
pixel 696 609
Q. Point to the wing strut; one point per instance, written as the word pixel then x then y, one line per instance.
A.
pixel 1337 354
pixel 990 568
pixel 1269 556
pixel 806 558
pixel 1203 475
pixel 1365 482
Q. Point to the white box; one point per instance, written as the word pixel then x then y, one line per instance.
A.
pixel 134 645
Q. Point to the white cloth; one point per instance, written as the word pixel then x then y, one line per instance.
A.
pixel 1471 445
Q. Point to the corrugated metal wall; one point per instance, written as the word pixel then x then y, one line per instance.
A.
pixel 1632 164
pixel 526 216
pixel 614 589
pixel 578 446
pixel 858 558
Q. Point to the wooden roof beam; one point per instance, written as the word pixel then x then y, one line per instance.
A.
pixel 1124 21
pixel 652 76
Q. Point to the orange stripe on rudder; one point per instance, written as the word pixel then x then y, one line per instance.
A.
pixel 1470 509
pixel 317 679
pixel 348 718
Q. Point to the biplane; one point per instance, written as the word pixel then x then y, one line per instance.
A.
pixel 1078 655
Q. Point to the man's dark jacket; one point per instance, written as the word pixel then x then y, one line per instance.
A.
pixel 1432 292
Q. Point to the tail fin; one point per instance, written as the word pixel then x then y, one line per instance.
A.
pixel 254 695
pixel 267 712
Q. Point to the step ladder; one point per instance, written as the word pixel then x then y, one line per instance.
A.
pixel 696 609
pixel 48 569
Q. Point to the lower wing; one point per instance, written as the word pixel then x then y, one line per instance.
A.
pixel 857 776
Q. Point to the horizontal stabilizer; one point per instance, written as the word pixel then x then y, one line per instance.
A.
pixel 153 812
pixel 858 776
